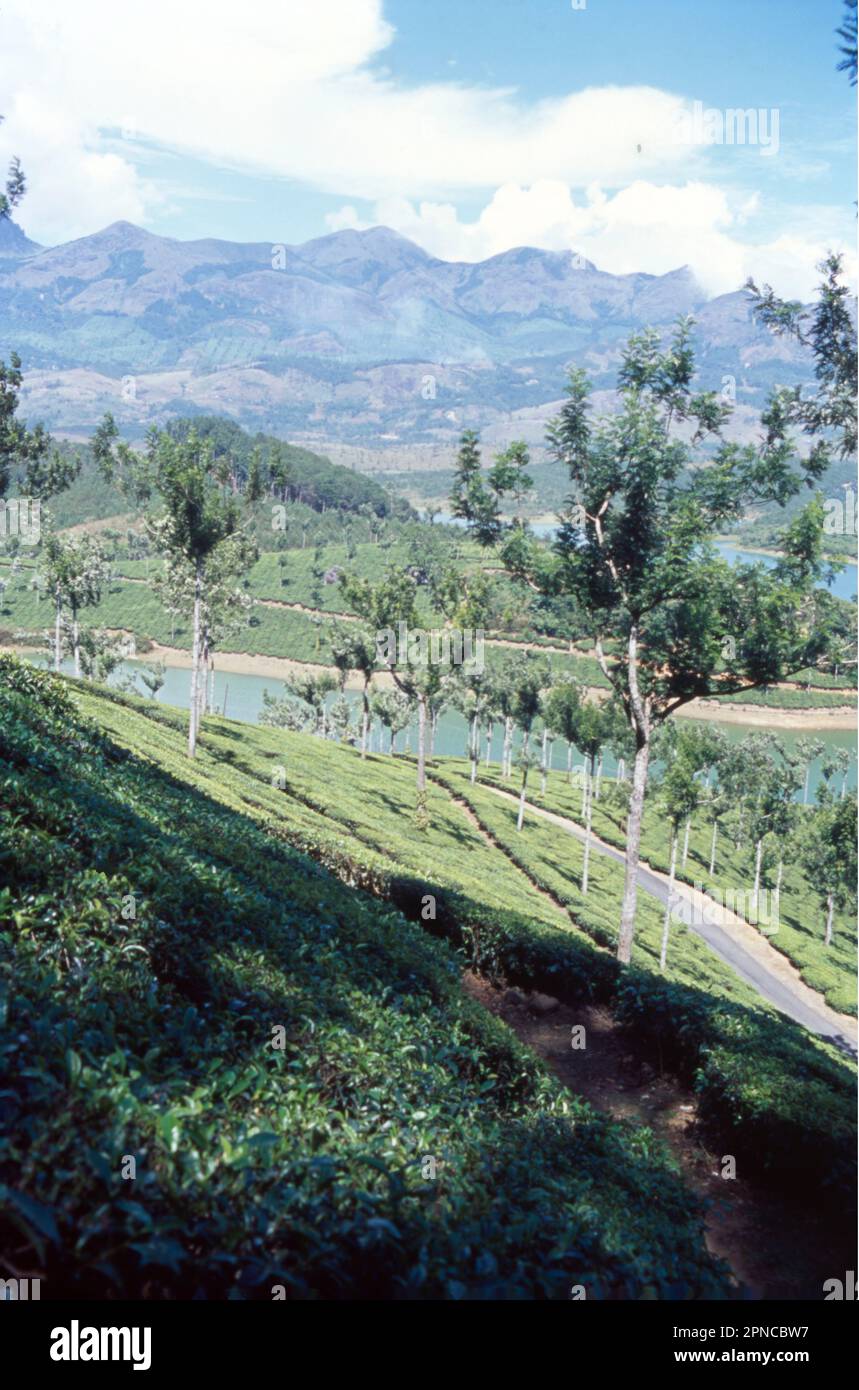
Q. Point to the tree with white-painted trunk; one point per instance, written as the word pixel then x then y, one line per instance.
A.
pixel 197 514
pixel 354 649
pixel 562 706
pixel 529 677
pixel 679 797
pixel 74 570
pixel 808 750
pixel 636 551
pixel 393 712
pixel 592 724
pixel 827 853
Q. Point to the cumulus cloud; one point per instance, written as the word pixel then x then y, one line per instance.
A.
pixel 289 89
pixel 645 226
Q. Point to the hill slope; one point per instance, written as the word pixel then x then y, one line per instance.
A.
pixel 156 947
pixel 357 336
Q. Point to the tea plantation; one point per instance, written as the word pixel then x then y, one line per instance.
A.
pixel 237 1059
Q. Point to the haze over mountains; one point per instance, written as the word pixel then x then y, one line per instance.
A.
pixel 359 337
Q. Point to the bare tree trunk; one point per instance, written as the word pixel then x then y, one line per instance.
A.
pixel 830 913
pixel 365 723
pixel 76 640
pixel 474 748
pixel 489 731
pixel 543 767
pixel 422 740
pixel 759 854
pixel 633 846
pixel 777 895
pixel 621 770
pixel 58 641
pixel 195 662
pixel 589 769
pixel 506 757
pixel 713 850
pixel 204 677
pixel 521 817
pixel 663 954
pixel 598 779
pixel 686 842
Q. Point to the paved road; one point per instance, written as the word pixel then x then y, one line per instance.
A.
pixel 769 985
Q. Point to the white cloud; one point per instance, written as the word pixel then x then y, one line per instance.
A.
pixel 645 226
pixel 287 89
pixel 290 89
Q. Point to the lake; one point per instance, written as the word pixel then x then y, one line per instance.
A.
pixel 843 585
pixel 242 695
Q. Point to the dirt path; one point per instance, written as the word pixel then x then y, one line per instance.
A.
pixel 774 1248
pixel 733 940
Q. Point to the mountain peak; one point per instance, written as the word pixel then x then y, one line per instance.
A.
pixel 14 240
pixel 353 244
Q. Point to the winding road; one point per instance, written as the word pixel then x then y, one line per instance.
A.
pixel 734 941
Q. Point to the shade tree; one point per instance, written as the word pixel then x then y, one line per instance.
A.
pixel 192 513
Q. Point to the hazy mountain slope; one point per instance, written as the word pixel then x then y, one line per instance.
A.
pixel 356 336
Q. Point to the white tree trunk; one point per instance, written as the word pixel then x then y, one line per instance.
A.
pixel 58 640
pixel 633 847
pixel 543 766
pixel 489 731
pixel 713 850
pixel 589 768
pixel 520 820
pixel 663 954
pixel 759 854
pixel 830 913
pixel 422 743
pixel 507 755
pixel 195 663
pixel 76 641
pixel 686 841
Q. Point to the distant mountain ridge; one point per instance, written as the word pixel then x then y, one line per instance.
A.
pixel 359 336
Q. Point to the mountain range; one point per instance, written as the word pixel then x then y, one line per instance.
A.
pixel 358 338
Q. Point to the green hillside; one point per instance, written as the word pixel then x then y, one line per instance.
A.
pixel 161 918
pixel 151 1037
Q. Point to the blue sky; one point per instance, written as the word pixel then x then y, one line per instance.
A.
pixel 467 126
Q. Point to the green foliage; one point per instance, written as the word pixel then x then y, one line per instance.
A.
pixel 155 929
pixel 285 471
